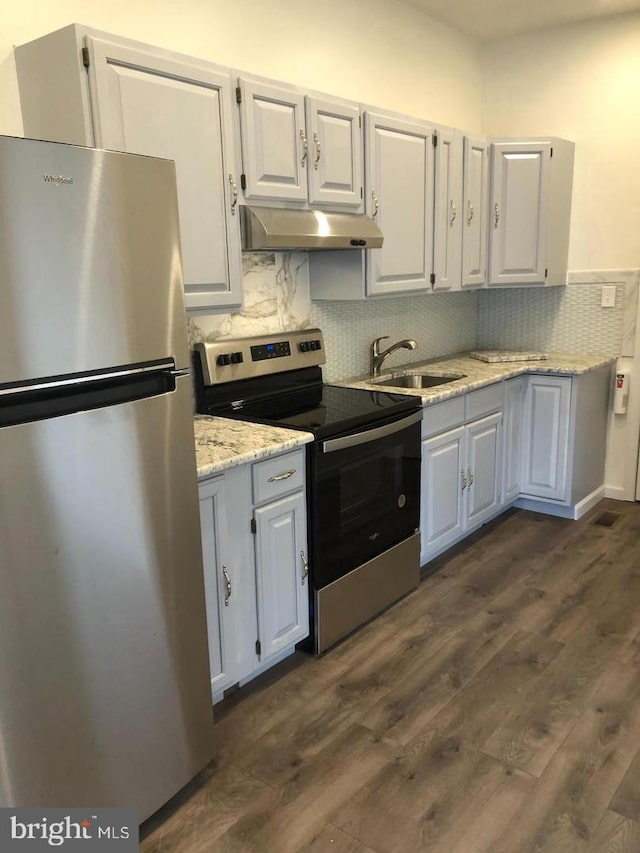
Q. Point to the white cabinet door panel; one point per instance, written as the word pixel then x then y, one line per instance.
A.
pixel 283 604
pixel 483 468
pixel 147 104
pixel 335 153
pixel 442 493
pixel 474 212
pixel 546 436
pixel 399 186
pixel 518 213
pixel 218 584
pixel 447 210
pixel 275 152
pixel 514 390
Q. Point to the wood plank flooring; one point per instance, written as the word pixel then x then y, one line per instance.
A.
pixel 494 710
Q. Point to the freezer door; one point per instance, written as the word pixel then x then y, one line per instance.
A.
pixel 105 695
pixel 90 271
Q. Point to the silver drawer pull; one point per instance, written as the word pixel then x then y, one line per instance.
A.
pixel 470 476
pixel 227 581
pixel 463 481
pixel 284 476
pixel 305 567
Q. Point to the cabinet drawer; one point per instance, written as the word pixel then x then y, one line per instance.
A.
pixel 484 401
pixel 442 416
pixel 278 476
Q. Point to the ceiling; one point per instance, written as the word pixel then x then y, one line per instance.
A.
pixel 489 19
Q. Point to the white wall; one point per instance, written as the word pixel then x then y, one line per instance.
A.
pixel 385 53
pixel 582 83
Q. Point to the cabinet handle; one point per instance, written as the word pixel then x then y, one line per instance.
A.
pixel 305 148
pixel 234 195
pixel 469 212
pixel 470 476
pixel 284 476
pixel 376 204
pixel 316 143
pixel 463 481
pixel 496 210
pixel 305 567
pixel 227 581
pixel 454 212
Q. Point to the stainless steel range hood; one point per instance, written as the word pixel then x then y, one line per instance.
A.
pixel 278 229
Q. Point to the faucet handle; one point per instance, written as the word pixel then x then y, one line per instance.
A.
pixel 375 345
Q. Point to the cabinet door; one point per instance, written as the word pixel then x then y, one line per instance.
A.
pixel 281 552
pixel 144 103
pixel 399 195
pixel 474 213
pixel 547 407
pixel 483 468
pixel 275 149
pixel 219 580
pixel 447 213
pixel 518 212
pixel 442 484
pixel 335 153
pixel 512 437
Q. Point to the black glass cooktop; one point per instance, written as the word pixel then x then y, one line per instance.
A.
pixel 324 410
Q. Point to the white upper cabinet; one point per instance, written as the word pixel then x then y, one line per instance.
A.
pixel 399 195
pixel 447 212
pixel 275 148
pixel 518 212
pixel 335 153
pixel 474 212
pixel 148 101
pixel 299 149
pixel 530 211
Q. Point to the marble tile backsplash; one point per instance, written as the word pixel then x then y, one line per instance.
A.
pixel 276 299
pixel 570 319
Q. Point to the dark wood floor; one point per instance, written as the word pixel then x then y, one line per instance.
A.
pixel 495 709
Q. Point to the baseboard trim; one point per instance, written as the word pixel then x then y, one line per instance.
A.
pixel 573 512
pixel 617 493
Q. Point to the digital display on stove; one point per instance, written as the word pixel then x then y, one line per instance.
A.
pixel 276 350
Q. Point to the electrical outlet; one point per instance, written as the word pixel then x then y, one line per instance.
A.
pixel 608 298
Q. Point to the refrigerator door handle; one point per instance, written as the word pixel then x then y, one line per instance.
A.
pixel 167 367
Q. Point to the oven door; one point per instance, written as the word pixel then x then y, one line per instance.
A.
pixel 364 495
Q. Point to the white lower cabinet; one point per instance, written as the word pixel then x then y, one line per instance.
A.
pixel 222 564
pixel 514 390
pixel 254 545
pixel 460 482
pixel 281 574
pixel 547 405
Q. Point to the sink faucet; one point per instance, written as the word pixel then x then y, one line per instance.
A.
pixel 378 358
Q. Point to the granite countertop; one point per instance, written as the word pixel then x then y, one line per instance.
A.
pixel 477 373
pixel 222 442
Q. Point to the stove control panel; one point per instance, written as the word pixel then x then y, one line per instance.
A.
pixel 232 359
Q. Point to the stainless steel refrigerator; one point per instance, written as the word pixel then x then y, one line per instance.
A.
pixel 104 679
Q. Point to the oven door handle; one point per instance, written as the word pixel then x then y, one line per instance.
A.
pixel 368 435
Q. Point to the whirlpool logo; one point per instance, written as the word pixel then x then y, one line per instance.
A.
pixel 57 180
pixel 70 829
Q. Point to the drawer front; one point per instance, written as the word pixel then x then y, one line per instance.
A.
pixel 484 401
pixel 278 476
pixel 442 416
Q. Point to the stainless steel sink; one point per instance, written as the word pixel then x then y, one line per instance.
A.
pixel 420 380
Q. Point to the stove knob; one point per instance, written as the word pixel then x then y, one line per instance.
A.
pixel 224 359
pixel 314 344
pixel 318 344
pixel 304 346
pixel 236 358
